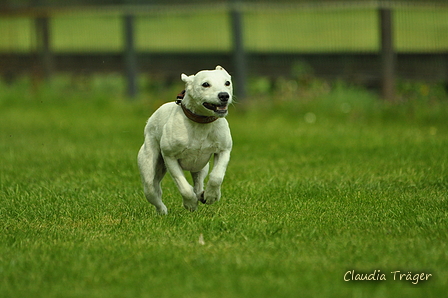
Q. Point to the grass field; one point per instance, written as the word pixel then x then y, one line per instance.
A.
pixel 359 186
pixel 294 30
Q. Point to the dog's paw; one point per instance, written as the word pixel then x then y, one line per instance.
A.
pixel 191 205
pixel 211 196
pixel 162 210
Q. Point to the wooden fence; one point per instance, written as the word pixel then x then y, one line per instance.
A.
pixel 377 70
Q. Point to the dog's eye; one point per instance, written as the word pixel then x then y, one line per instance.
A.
pixel 205 85
pixel 227 83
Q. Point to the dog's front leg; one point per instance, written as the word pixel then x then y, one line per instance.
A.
pixel 213 190
pixel 186 190
pixel 198 182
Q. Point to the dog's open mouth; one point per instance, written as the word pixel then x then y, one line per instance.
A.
pixel 220 109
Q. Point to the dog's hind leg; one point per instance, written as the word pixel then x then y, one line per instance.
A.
pixel 198 182
pixel 152 170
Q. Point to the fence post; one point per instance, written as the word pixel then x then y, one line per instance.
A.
pixel 43 45
pixel 130 56
pixel 387 55
pixel 239 55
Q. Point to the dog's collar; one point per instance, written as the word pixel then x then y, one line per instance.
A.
pixel 192 116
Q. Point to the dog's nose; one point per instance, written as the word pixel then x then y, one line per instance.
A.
pixel 223 96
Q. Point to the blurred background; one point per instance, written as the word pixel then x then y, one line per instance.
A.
pixel 367 43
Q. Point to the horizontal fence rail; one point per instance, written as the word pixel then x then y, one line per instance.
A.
pixel 364 69
pixel 367 51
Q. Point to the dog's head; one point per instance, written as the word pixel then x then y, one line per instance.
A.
pixel 209 92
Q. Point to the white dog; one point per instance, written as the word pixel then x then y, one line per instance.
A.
pixel 183 135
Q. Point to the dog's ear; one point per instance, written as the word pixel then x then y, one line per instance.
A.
pixel 186 79
pixel 219 67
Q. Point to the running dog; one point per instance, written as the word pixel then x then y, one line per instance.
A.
pixel 184 135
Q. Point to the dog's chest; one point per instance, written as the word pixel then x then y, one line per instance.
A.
pixel 194 161
pixel 193 156
pixel 193 148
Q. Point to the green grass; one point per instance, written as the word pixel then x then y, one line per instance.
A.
pixel 303 202
pixel 289 30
